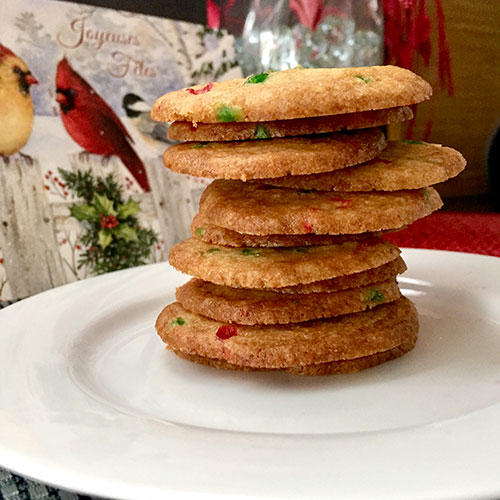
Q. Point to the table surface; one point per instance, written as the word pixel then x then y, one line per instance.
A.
pixel 456 231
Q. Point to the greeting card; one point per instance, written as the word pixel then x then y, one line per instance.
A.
pixel 82 186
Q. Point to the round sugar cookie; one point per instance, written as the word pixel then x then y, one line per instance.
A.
pixel 363 278
pixel 293 93
pixel 217 235
pixel 240 131
pixel 262 209
pixel 278 267
pixel 401 165
pixel 275 158
pixel 267 307
pixel 331 368
pixel 344 337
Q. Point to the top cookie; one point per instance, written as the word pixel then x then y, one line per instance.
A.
pixel 294 93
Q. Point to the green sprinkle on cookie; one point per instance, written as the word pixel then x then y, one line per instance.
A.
pixel 229 114
pixel 374 295
pixel 177 322
pixel 261 77
pixel 200 231
pixel 213 250
pixel 198 145
pixel 250 251
pixel 408 141
pixel 365 79
pixel 261 132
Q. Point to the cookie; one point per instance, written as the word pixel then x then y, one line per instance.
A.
pixel 363 278
pixel 217 235
pixel 240 131
pixel 401 165
pixel 278 267
pixel 261 209
pixel 294 93
pixel 267 307
pixel 344 337
pixel 275 158
pixel 331 368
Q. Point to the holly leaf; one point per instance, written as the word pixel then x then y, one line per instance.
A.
pixel 130 208
pixel 125 232
pixel 104 238
pixel 103 205
pixel 84 212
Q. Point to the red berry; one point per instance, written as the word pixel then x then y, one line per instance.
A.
pixel 109 221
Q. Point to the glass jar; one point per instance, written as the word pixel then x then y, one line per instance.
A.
pixel 281 34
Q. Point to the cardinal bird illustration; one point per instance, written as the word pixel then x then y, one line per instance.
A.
pixel 93 124
pixel 16 106
pixel 138 113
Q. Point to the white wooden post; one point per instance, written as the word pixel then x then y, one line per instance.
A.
pixel 27 232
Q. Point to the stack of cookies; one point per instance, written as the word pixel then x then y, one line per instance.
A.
pixel 290 270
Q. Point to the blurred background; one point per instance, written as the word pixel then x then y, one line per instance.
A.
pixel 454 44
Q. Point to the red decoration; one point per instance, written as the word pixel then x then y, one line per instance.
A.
pixel 407 27
pixel 311 12
pixel 204 90
pixel 307 226
pixel 342 203
pixel 226 332
pixel 213 15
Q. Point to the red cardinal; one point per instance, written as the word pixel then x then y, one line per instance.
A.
pixel 92 123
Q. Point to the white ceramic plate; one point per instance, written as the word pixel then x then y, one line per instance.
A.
pixel 91 401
